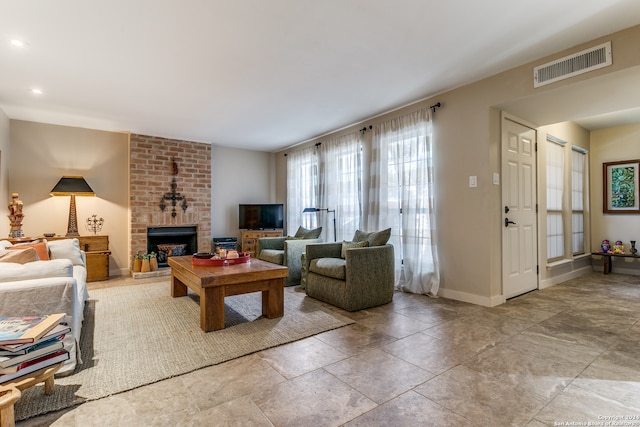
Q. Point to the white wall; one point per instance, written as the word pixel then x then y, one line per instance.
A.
pixel 238 176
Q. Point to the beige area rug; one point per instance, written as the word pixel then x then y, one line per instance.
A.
pixel 136 335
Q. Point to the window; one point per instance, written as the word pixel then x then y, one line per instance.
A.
pixel 578 180
pixel 555 194
pixel 302 188
pixel 565 210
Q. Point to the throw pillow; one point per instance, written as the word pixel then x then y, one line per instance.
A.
pixel 308 234
pixel 66 249
pixel 350 245
pixel 40 247
pixel 22 256
pixel 375 238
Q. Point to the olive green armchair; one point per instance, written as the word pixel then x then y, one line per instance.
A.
pixel 350 277
pixel 287 251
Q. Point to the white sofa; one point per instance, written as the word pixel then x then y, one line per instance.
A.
pixel 44 287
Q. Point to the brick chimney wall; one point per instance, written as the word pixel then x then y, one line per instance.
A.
pixel 151 175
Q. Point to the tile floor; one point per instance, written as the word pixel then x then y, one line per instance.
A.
pixel 565 355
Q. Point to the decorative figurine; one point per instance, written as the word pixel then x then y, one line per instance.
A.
pixel 605 247
pixel 618 248
pixel 15 216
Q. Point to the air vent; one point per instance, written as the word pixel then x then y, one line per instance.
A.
pixel 572 65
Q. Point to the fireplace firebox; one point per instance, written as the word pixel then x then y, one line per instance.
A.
pixel 172 241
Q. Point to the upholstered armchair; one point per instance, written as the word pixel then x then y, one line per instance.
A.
pixel 287 251
pixel 355 278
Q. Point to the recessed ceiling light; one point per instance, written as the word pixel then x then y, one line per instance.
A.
pixel 36 91
pixel 19 43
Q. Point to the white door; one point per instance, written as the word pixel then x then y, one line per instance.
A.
pixel 519 216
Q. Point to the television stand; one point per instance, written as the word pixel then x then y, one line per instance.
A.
pixel 250 239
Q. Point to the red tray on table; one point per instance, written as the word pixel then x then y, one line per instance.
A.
pixel 208 262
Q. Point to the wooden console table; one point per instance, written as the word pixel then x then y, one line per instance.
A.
pixel 607 265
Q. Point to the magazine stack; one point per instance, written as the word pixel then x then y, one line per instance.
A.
pixel 30 343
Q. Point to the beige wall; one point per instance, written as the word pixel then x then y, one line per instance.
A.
pixel 467 142
pixel 612 145
pixel 42 153
pixel 238 176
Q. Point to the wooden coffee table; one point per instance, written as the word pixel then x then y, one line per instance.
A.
pixel 212 284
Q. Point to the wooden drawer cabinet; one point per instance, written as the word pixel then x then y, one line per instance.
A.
pixel 250 239
pixel 97 251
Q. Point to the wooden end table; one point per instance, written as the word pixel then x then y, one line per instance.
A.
pixel 212 284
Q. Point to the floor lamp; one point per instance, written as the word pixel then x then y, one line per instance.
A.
pixel 307 210
pixel 72 186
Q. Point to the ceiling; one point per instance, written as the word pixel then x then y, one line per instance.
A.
pixel 265 75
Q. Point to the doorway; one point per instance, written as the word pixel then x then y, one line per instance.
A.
pixel 519 207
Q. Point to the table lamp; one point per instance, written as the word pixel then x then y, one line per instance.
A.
pixel 72 186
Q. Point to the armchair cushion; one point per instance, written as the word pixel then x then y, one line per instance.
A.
pixel 375 238
pixel 308 234
pixel 275 256
pixel 331 267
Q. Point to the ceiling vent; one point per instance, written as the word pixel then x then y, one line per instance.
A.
pixel 587 60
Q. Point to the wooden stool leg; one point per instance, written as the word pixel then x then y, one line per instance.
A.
pixel 8 396
pixel 7 418
pixel 49 384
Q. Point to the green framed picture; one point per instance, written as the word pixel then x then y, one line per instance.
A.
pixel 621 186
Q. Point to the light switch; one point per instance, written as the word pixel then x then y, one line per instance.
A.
pixel 496 178
pixel 473 181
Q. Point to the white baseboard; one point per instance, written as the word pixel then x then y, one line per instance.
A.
pixel 472 298
pixel 564 277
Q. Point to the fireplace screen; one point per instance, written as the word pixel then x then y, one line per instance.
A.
pixel 172 241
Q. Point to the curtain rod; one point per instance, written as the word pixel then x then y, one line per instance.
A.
pixel 433 108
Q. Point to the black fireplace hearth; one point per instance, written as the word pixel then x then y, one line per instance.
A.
pixel 172 241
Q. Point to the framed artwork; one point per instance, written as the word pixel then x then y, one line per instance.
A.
pixel 621 186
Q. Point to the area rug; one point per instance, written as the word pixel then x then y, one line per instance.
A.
pixel 136 335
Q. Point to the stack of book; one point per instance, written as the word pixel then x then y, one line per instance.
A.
pixel 31 343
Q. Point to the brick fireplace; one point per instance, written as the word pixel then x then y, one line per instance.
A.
pixel 151 165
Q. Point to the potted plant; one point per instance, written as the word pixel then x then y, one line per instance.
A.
pixel 153 261
pixel 145 267
pixel 137 263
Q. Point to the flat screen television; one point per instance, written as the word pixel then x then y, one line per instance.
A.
pixel 260 216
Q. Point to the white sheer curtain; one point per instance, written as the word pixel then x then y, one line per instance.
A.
pixel 341 185
pixel 401 197
pixel 302 188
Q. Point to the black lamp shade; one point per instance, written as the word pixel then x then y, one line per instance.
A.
pixel 72 185
pixel 310 210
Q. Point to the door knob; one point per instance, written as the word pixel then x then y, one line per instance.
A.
pixel 507 222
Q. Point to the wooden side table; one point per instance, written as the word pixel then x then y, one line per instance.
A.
pixel 97 251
